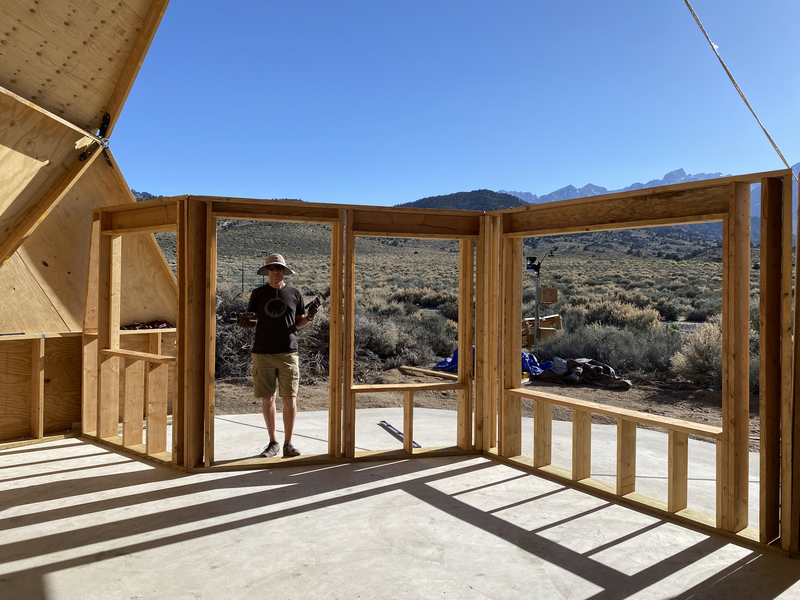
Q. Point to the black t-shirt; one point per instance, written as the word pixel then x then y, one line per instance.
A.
pixel 277 311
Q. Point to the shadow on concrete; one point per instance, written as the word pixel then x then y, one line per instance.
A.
pixel 195 505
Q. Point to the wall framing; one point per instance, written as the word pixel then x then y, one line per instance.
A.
pixel 489 415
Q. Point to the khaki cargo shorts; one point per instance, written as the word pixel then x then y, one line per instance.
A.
pixel 276 371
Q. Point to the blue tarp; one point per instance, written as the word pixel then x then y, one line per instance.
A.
pixel 529 363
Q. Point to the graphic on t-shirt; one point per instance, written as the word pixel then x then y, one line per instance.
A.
pixel 275 308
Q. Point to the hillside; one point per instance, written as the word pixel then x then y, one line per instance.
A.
pixel 485 200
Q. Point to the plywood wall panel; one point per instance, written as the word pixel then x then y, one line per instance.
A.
pixel 57 254
pixel 15 389
pixel 24 307
pixel 62 383
pixel 68 57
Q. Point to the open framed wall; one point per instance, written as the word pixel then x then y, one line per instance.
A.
pixel 726 200
pixel 489 416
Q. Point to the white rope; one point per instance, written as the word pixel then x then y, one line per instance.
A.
pixel 738 89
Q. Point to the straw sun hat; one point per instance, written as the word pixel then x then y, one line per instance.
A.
pixel 275 259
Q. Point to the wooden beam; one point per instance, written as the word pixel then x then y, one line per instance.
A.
pixel 510 422
pixel 180 384
pixel 581 444
pixel 770 377
pixel 388 222
pixel 406 387
pixel 135 355
pixel 626 457
pixel 408 421
pixel 678 470
pixel 542 433
pixel 466 261
pixel 29 221
pixel 272 210
pixel 148 219
pixel 602 213
pixel 634 416
pixel 135 59
pixel 336 335
pixel 429 372
pixel 349 399
pixel 37 388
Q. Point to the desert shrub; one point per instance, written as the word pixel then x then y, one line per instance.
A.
pixel 426 296
pixel 668 309
pixel 436 332
pixel 233 343
pixel 625 350
pixel 574 318
pixel 622 315
pixel 703 309
pixel 700 359
pixel 379 338
pixel 449 310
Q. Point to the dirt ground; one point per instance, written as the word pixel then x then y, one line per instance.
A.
pixel 669 399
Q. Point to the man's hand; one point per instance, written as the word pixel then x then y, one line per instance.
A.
pixel 312 312
pixel 246 320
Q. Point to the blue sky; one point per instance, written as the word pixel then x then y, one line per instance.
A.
pixel 382 102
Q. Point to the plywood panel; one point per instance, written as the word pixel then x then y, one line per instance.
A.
pixel 62 383
pixel 68 57
pixel 34 152
pixel 58 254
pixel 24 306
pixel 15 389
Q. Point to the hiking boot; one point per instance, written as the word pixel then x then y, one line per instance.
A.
pixel 271 450
pixel 289 450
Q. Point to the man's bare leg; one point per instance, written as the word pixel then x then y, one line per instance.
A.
pixel 289 414
pixel 268 410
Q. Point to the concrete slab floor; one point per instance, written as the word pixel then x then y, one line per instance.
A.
pixel 81 522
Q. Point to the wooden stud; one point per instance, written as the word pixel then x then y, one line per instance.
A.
pixel 581 444
pixel 408 422
pixel 211 333
pixel 349 399
pixel 180 382
pixel 482 392
pixel 37 388
pixel 770 379
pixel 465 342
pixel 194 282
pixel 678 471
pixel 790 529
pixel 108 336
pixel 626 457
pixel 732 479
pixel 133 402
pixel 156 389
pixel 495 315
pixel 335 356
pixel 542 433
pixel 510 433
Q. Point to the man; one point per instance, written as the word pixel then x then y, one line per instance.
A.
pixel 276 311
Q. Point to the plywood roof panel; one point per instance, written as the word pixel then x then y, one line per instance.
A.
pixel 68 57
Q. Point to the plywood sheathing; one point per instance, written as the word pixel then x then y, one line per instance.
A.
pixel 44 284
pixel 77 60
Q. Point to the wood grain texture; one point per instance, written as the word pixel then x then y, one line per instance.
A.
pixel 542 433
pixel 336 340
pixel 581 444
pixel 678 471
pixel 770 378
pixel 69 57
pixel 15 390
pixel 62 383
pixel 626 457
pixel 465 342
